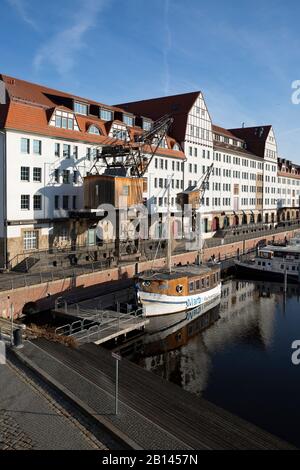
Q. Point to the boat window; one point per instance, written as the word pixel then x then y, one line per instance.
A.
pixel 259 263
pixel 191 286
pixel 207 282
pixel 202 282
pixel 264 264
pixel 198 284
pixel 179 289
pixel 282 266
pixel 146 283
pixel 293 268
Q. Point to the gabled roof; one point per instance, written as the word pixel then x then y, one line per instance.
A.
pixel 222 131
pixel 30 108
pixel 176 105
pixel 255 138
pixel 32 93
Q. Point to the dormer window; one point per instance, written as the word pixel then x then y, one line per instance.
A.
pixel 94 130
pixel 106 114
pixel 81 108
pixel 147 124
pixel 128 120
pixel 120 134
pixel 64 120
pixel 119 131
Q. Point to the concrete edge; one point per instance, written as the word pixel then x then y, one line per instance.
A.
pixel 118 435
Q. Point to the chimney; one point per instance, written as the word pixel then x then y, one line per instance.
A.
pixel 2 92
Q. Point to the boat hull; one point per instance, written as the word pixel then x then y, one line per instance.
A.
pixel 253 272
pixel 157 304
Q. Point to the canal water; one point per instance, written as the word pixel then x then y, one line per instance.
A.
pixel 238 355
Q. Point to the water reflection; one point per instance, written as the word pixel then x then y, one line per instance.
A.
pixel 237 355
pixel 180 347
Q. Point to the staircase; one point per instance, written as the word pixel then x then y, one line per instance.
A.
pixel 26 264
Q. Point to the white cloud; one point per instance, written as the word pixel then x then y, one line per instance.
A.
pixel 61 49
pixel 21 8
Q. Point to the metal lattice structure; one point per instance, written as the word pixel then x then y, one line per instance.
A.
pixel 132 158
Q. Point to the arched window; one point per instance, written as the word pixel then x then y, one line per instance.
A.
pixel 93 130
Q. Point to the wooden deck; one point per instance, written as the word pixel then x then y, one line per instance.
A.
pixel 150 403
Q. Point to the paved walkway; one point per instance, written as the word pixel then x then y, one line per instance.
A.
pixel 30 420
pixel 153 414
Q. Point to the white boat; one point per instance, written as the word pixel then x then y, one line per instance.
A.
pixel 273 262
pixel 180 289
pixel 183 289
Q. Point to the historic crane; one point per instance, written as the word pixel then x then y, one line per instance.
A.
pixel 133 157
pixel 193 197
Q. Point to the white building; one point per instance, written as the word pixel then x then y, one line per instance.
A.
pixel 49 140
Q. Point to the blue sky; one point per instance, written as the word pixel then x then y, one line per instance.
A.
pixel 243 55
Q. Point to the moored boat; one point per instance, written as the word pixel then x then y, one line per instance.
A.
pixel 273 262
pixel 180 290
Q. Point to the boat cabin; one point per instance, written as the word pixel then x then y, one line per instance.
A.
pixel 181 282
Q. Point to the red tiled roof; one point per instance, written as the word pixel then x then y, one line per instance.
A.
pixel 255 138
pixel 176 105
pixel 222 131
pixel 21 90
pixel 31 107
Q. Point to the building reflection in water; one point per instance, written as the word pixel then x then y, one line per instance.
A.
pixel 180 347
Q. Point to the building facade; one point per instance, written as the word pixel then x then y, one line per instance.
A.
pixel 49 140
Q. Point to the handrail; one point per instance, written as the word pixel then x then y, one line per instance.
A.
pixel 59 250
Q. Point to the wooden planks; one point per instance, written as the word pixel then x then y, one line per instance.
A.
pixel 194 421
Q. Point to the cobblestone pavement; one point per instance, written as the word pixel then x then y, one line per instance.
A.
pixel 30 418
pixel 11 435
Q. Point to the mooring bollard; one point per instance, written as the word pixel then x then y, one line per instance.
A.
pixel 18 339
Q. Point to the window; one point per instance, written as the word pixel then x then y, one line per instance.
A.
pixel 37 202
pixel 81 108
pixel 75 176
pixel 191 286
pixel 66 175
pixel 56 176
pixel 128 120
pixel 30 240
pixel 74 202
pixel 25 202
pixel 24 173
pixel 65 202
pixel 64 120
pixel 37 147
pixel 57 149
pixel 56 202
pixel 37 174
pixel 75 152
pixel 120 134
pixel 125 190
pixel 147 125
pixel 66 151
pixel 94 130
pixel 106 115
pixel 25 145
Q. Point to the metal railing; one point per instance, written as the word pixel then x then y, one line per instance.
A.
pixel 17 280
pixel 59 250
pixel 97 323
pixel 248 232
